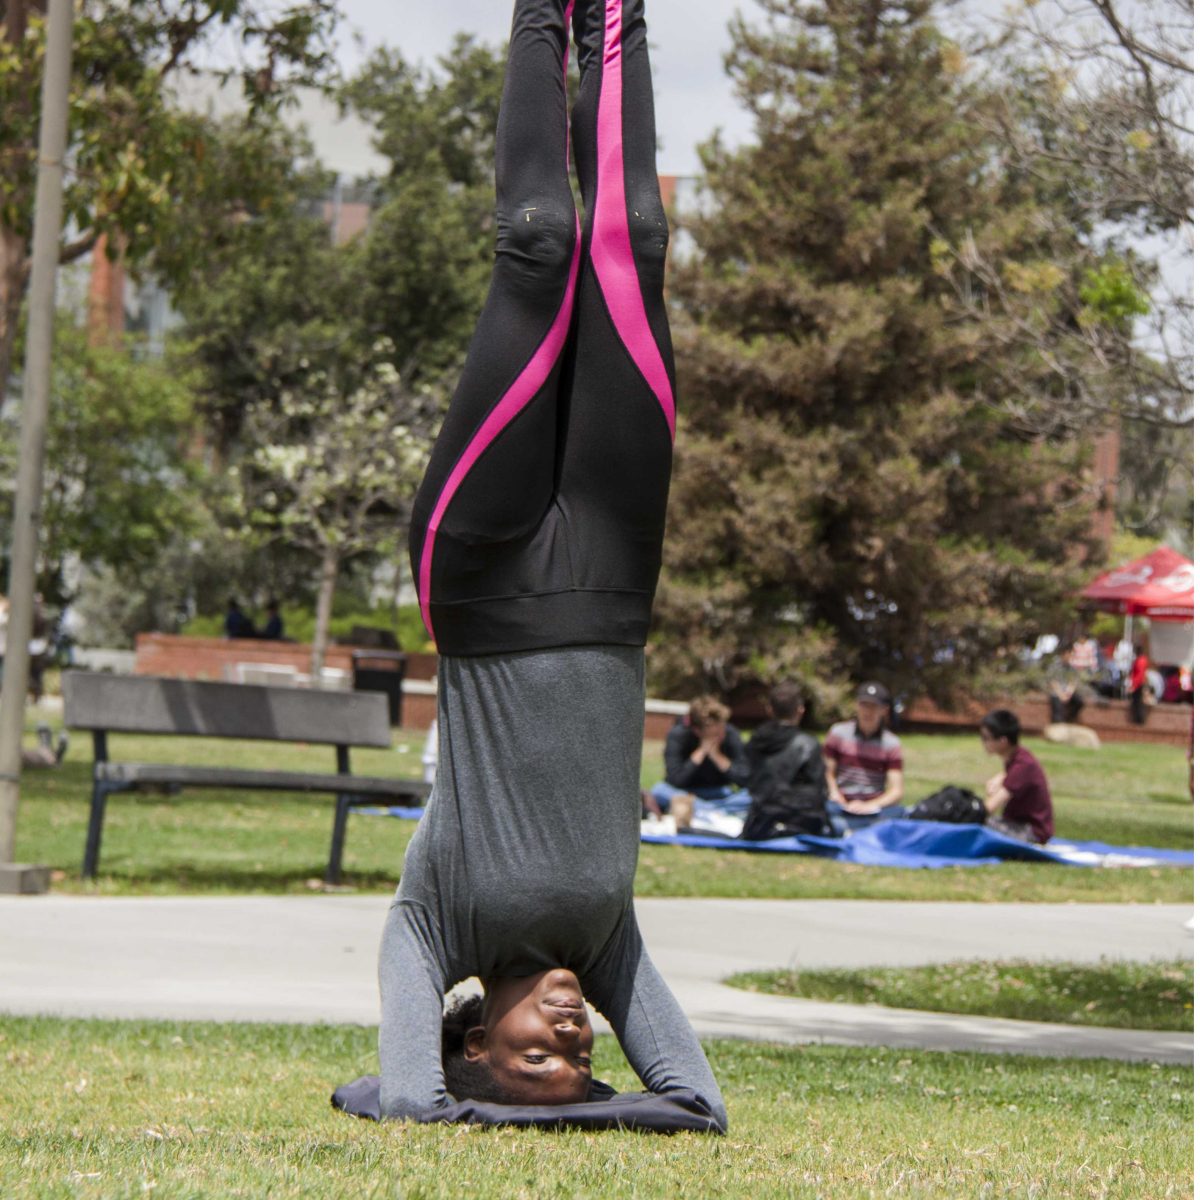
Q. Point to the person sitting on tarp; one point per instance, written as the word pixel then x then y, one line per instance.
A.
pixel 705 758
pixel 1018 798
pixel 864 765
pixel 787 773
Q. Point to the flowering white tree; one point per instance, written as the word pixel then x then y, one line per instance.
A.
pixel 333 469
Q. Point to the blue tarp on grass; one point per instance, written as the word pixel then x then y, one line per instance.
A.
pixel 933 844
pixel 919 844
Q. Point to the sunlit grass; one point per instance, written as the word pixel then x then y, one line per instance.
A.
pixel 1121 995
pixel 100 1110
pixel 214 841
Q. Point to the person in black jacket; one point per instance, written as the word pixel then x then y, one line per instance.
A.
pixel 705 758
pixel 787 773
pixel 237 624
pixel 272 631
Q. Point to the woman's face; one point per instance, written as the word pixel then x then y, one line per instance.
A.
pixel 536 1037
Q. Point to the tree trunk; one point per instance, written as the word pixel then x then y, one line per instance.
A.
pixel 106 294
pixel 14 275
pixel 329 571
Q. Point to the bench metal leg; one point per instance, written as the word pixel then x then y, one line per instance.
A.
pixel 333 872
pixel 91 853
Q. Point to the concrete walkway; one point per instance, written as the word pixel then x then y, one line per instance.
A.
pixel 310 959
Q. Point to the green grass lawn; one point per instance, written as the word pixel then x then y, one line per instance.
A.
pixel 106 1110
pixel 1121 995
pixel 209 841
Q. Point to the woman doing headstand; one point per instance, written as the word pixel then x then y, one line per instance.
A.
pixel 536 544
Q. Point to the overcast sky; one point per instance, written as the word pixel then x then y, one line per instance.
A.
pixel 688 41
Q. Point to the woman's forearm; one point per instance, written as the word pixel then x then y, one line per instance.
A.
pixel 412 1083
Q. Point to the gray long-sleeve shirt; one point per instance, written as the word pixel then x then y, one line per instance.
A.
pixel 524 860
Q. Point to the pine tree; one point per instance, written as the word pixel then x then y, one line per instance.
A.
pixel 855 495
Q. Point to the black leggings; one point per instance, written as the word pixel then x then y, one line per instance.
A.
pixel 539 522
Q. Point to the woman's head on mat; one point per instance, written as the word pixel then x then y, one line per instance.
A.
pixel 527 1040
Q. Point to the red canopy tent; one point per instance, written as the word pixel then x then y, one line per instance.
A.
pixel 1161 586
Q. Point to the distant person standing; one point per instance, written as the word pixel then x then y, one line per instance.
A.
pixel 1017 799
pixel 39 649
pixel 1123 656
pixel 429 754
pixel 1138 673
pixel 272 631
pixel 66 635
pixel 237 624
pixel 863 763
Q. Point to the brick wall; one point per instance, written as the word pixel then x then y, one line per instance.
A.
pixel 177 657
pixel 420 704
pixel 1166 724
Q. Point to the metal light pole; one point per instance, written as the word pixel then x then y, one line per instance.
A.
pixel 35 403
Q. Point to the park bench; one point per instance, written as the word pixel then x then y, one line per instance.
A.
pixel 104 704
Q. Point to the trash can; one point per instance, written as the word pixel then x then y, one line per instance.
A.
pixel 381 671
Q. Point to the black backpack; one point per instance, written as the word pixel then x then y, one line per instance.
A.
pixel 951 805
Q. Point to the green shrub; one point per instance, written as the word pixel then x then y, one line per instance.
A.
pixel 299 623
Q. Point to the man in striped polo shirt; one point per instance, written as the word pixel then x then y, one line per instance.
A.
pixel 863 763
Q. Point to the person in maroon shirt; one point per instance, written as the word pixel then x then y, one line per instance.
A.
pixel 1018 798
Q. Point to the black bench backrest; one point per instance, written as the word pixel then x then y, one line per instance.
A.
pixel 145 704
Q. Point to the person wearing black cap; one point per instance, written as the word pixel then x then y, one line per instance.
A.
pixel 863 763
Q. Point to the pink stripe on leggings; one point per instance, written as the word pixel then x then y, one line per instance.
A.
pixel 524 388
pixel 612 251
